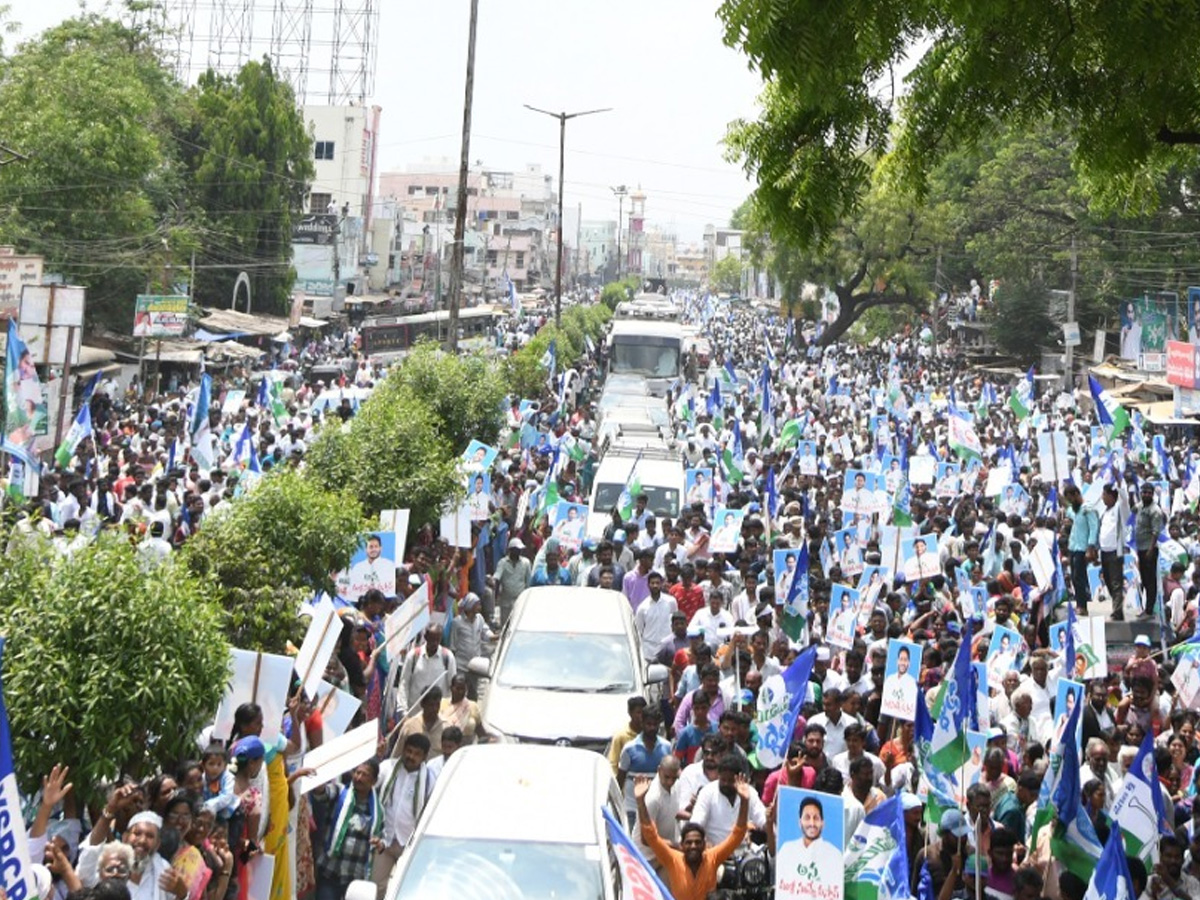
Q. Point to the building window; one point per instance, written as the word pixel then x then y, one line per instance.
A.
pixel 318 203
pixel 512 215
pixel 520 259
pixel 323 150
pixel 412 190
pixel 492 257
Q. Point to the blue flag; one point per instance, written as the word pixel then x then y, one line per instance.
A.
pixel 264 398
pixel 637 876
pixel 779 705
pixel 93 383
pixel 1111 880
pixel 772 494
pixel 16 873
pixel 1074 840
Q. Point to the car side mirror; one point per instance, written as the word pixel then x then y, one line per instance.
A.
pixel 480 665
pixel 656 673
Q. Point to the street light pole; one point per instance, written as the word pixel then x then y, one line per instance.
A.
pixel 562 147
pixel 457 273
pixel 620 191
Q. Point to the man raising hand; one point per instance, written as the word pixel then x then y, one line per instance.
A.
pixel 691 872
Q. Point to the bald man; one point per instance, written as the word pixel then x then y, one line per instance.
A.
pixel 664 803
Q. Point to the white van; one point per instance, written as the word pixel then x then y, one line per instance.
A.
pixel 512 821
pixel 659 472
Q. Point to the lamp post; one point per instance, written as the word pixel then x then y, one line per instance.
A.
pixel 619 191
pixel 562 147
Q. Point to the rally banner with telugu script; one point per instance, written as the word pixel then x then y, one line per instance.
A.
pixel 16 870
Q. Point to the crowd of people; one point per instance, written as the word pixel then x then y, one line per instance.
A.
pixel 864 526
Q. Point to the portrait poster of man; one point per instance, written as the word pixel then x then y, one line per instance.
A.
pixel 727 530
pixel 849 551
pixel 1006 651
pixel 858 492
pixel 920 558
pixel 569 524
pixel 479 496
pixel 900 680
pixel 699 487
pixel 478 457
pixel 843 616
pixel 806 460
pixel 785 570
pixel 809 846
pixel 373 565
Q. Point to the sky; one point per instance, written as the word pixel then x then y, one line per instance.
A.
pixel 660 64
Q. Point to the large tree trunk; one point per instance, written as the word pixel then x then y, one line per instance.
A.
pixel 848 313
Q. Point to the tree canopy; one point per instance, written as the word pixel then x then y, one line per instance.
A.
pixel 1096 71
pixel 126 171
pixel 110 666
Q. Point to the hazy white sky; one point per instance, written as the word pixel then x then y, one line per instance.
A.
pixel 659 63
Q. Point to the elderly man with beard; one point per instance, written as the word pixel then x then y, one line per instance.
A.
pixel 150 876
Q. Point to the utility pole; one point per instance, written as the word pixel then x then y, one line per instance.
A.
pixel 562 149
pixel 1069 381
pixel 579 243
pixel 460 214
pixel 620 191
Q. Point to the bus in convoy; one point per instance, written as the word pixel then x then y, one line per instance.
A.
pixel 391 337
pixel 652 349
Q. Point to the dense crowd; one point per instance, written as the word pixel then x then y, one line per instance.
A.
pixel 888 505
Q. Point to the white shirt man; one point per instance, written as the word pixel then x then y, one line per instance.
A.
pixel 653 619
pixel 716 813
pixel 422 670
pixel 663 801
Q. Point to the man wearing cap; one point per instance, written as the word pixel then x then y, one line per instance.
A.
pixel 468 635
pixel 581 563
pixel 151 877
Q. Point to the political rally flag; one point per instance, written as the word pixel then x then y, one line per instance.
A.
pixel 198 428
pixel 1111 880
pixel 1139 807
pixel 1073 841
pixel 963 439
pixel 1111 414
pixel 779 704
pixel 633 487
pixel 1020 401
pixel 953 710
pixel 638 878
pixel 16 875
pixel 938 787
pixel 877 855
pixel 90 388
pixel 795 607
pixel 80 431
pixel 902 504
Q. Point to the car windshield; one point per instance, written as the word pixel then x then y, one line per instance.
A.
pixel 656 358
pixel 567 662
pixel 661 499
pixel 443 868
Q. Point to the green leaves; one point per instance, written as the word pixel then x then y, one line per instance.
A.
pixel 108 668
pixel 275 547
pixel 1095 69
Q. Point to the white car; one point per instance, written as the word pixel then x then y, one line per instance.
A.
pixel 509 822
pixel 567 663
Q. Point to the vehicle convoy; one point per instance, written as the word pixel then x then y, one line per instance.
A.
pixel 539 833
pixel 645 463
pixel 566 664
pixel 653 349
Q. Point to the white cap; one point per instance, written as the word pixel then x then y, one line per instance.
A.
pixel 516 544
pixel 822 654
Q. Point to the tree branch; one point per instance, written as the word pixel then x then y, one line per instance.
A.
pixel 1174 138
